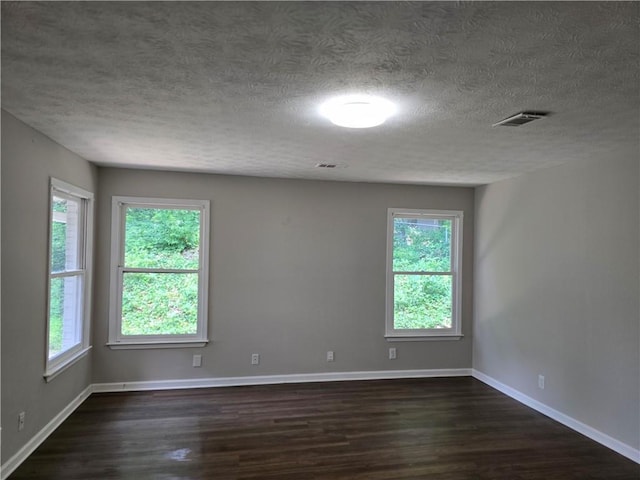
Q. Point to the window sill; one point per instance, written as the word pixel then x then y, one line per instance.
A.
pixel 156 344
pixel 423 338
pixel 53 372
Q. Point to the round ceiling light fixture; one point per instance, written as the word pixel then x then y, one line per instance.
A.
pixel 357 111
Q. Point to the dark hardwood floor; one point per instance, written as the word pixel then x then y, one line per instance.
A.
pixel 441 428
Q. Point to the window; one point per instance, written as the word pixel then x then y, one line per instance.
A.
pixel 70 241
pixel 159 273
pixel 424 253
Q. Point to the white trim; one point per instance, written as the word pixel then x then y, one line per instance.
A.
pixel 586 430
pixel 429 338
pixel 117 270
pixel 278 379
pixel 61 367
pixel 54 366
pixel 456 217
pixel 68 273
pixel 70 189
pixel 35 441
pixel 157 270
pixel 162 202
pixel 134 345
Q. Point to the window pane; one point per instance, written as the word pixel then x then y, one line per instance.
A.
pixel 162 238
pixel 421 245
pixel 64 314
pixel 160 303
pixel 65 238
pixel 422 301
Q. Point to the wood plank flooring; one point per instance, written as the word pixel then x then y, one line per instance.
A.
pixel 441 428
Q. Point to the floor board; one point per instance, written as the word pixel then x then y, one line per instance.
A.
pixel 441 428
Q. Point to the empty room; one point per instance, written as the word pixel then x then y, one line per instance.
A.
pixel 320 240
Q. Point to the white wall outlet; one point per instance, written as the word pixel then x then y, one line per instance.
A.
pixel 255 359
pixel 392 353
pixel 330 356
pixel 197 360
pixel 21 416
pixel 541 381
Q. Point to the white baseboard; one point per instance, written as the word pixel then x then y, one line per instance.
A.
pixel 275 379
pixel 21 455
pixel 602 438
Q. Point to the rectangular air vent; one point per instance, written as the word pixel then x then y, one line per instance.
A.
pixel 326 165
pixel 520 119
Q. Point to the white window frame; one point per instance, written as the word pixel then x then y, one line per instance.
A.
pixel 455 332
pixel 119 205
pixel 65 359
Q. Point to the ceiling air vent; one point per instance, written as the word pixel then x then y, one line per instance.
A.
pixel 520 119
pixel 326 165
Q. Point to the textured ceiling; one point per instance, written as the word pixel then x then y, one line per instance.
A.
pixel 233 87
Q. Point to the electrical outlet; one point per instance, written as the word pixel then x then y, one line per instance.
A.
pixel 21 416
pixel 330 356
pixel 197 360
pixel 255 359
pixel 541 381
pixel 392 353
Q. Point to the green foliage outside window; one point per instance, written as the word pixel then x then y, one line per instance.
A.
pixel 55 316
pixel 161 303
pixel 58 257
pixel 422 301
pixel 58 237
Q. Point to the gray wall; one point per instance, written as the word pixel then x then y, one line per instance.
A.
pixel 297 268
pixel 28 160
pixel 556 291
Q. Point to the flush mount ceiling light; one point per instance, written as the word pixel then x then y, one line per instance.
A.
pixel 357 111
